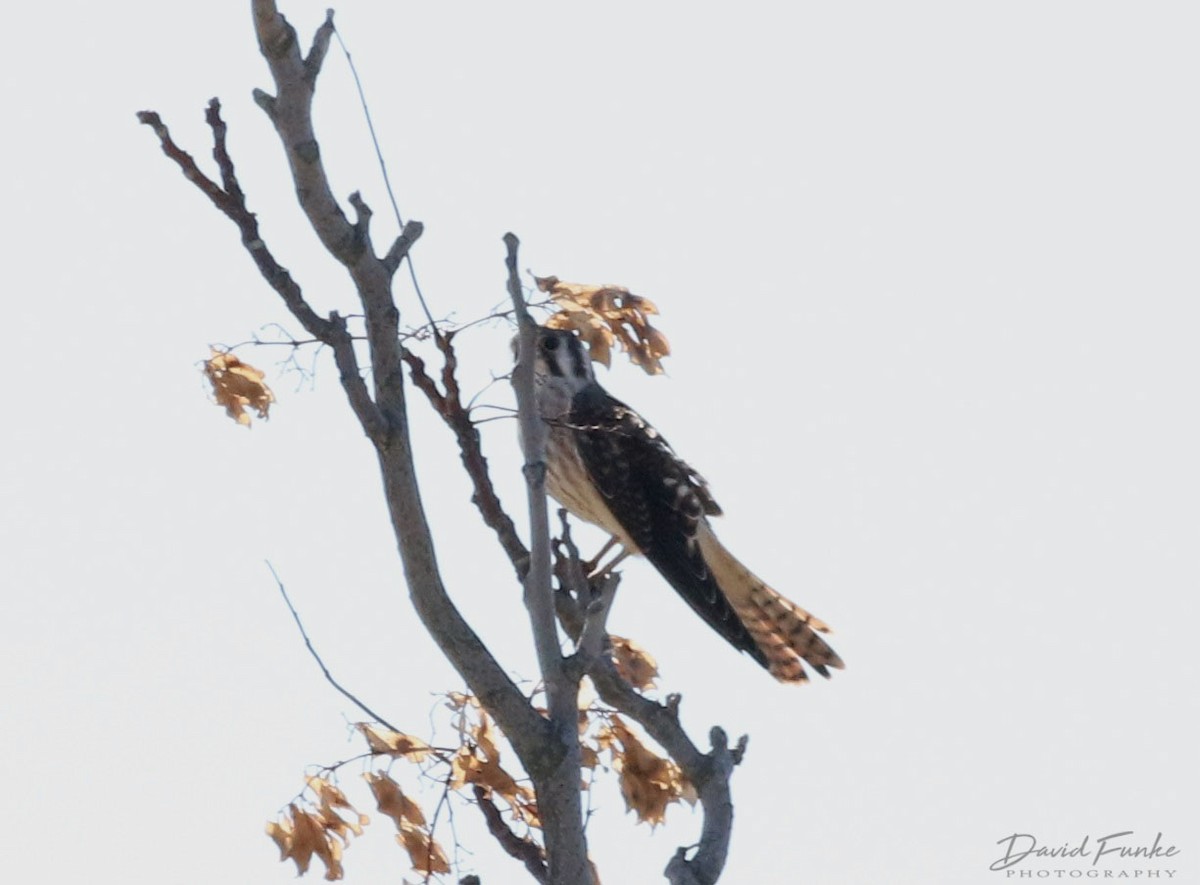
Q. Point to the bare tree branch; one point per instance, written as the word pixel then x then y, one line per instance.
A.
pixel 346 359
pixel 533 439
pixel 557 783
pixel 233 205
pixel 708 772
pixel 524 850
pixel 320 46
pixel 451 409
pixel 230 199
pixel 383 416
pixel 412 230
pixel 594 635
pixel 290 111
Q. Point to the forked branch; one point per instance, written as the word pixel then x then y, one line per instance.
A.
pixel 547 746
pixel 582 604
pixel 380 413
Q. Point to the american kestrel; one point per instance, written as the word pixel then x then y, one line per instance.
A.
pixel 609 467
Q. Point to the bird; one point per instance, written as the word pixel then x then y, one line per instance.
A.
pixel 609 467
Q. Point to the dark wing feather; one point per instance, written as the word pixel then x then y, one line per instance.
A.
pixel 658 499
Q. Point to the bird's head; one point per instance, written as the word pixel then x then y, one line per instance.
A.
pixel 562 359
pixel 561 369
pixel 560 355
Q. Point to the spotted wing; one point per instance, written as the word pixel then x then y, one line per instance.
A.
pixel 658 499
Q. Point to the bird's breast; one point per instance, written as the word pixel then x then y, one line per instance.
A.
pixel 568 482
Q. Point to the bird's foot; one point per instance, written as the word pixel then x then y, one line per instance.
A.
pixel 592 567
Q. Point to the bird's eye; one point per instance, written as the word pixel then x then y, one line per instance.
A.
pixel 550 343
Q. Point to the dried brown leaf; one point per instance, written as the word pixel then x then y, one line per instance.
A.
pixel 390 800
pixel 425 853
pixel 308 838
pixel 483 737
pixel 605 738
pixel 656 342
pixel 384 742
pixel 649 782
pixel 237 385
pixel 281 834
pixel 487 771
pixel 491 774
pixel 526 810
pixel 302 834
pixel 634 663
pixel 601 315
pixel 330 795
pixel 329 798
pixel 460 768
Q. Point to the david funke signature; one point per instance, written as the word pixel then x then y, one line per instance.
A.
pixel 1114 845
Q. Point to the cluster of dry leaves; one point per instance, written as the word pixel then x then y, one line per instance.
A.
pixel 601 315
pixel 318 829
pixel 237 385
pixel 481 771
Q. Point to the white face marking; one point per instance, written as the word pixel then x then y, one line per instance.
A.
pixel 561 369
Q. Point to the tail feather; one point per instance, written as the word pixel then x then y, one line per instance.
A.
pixel 785 633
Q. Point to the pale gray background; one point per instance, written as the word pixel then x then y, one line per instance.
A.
pixel 930 275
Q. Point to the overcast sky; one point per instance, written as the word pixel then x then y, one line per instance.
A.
pixel 929 272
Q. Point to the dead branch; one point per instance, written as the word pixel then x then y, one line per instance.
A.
pixel 382 415
pixel 449 406
pixel 231 201
pixel 524 850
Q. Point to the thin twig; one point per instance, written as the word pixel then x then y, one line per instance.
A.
pixel 399 250
pixel 442 800
pixel 328 676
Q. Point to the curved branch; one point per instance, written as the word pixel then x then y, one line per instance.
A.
pixel 708 772
pixel 449 406
pixel 524 850
pixel 290 111
pixel 345 692
pixel 231 200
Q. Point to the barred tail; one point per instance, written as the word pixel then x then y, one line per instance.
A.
pixel 784 633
